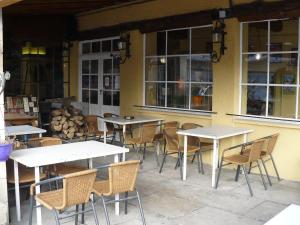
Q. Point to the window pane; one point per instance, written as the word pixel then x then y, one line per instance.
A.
pixel 156 43
pixel 284 35
pixel 116 66
pixel 178 42
pixel 201 98
pixel 94 66
pixel 85 82
pixel 94 82
pixel 107 66
pixel 201 40
pixel 115 45
pixel 96 47
pixel 85 96
pixel 155 94
pixel 86 48
pixel 201 69
pixel 94 97
pixel 106 46
pixel 107 97
pixel 178 68
pixel 107 82
pixel 116 98
pixel 282 102
pixel 255 68
pixel 255 37
pixel 283 69
pixel 178 95
pixel 116 82
pixel 254 100
pixel 155 69
pixel 85 67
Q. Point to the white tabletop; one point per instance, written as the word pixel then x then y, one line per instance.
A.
pixel 288 216
pixel 215 132
pixel 137 119
pixel 54 154
pixel 23 130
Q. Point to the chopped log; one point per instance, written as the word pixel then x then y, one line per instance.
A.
pixel 67 114
pixel 70 135
pixel 65 131
pixel 57 127
pixel 63 119
pixel 65 126
pixel 56 118
pixel 56 112
pixel 78 118
pixel 79 134
pixel 71 130
pixel 71 124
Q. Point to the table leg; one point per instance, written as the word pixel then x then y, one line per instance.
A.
pixel 124 133
pixel 215 161
pixel 245 138
pixel 40 135
pixel 158 144
pixel 37 191
pixel 17 190
pixel 91 163
pixel 117 196
pixel 184 156
pixel 104 132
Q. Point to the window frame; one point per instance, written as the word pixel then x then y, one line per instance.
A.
pixel 269 85
pixel 189 56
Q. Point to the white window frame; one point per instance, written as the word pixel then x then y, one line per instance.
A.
pixel 189 55
pixel 268 85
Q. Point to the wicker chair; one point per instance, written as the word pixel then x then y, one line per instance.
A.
pixel 113 129
pixel 173 147
pixel 266 154
pixel 77 189
pixel 194 141
pixel 122 179
pixel 92 128
pixel 241 160
pixel 146 136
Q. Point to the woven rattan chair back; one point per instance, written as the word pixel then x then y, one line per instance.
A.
pixel 91 123
pixel 148 132
pixel 271 142
pixel 171 124
pixel 193 141
pixel 172 140
pixel 77 187
pixel 109 126
pixel 122 176
pixel 255 150
pixel 50 141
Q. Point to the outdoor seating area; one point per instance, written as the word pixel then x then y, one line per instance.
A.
pixel 151 112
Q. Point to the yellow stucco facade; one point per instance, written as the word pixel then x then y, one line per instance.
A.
pixel 226 78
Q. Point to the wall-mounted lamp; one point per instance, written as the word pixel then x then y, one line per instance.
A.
pixel 124 48
pixel 218 36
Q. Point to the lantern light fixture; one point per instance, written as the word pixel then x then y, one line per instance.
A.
pixel 124 48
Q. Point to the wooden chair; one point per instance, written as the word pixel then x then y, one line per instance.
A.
pixel 146 136
pixel 121 179
pixel 241 160
pixel 173 147
pixel 266 154
pixel 77 189
pixel 194 141
pixel 113 129
pixel 92 128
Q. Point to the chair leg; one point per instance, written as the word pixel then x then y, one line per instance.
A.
pixel 278 177
pixel 194 156
pixel 250 167
pixel 56 217
pixel 198 161
pixel 163 162
pixel 247 180
pixel 144 151
pixel 105 211
pixel 82 214
pixel 219 173
pixel 267 174
pixel 141 208
pixel 201 160
pixel 237 173
pixel 126 202
pixel 76 216
pixel 94 212
pixel 177 164
pixel 156 156
pixel 31 209
pixel 261 175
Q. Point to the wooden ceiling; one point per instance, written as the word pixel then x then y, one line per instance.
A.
pixel 63 7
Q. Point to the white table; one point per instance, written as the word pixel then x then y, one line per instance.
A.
pixel 49 155
pixel 124 122
pixel 23 130
pixel 216 133
pixel 289 216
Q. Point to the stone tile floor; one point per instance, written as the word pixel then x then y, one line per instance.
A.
pixel 169 201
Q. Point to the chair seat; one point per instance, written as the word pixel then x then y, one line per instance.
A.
pixel 64 169
pixel 101 188
pixel 96 133
pixel 237 159
pixel 133 141
pixel 26 175
pixel 246 152
pixel 190 149
pixel 51 199
pixel 158 137
pixel 205 146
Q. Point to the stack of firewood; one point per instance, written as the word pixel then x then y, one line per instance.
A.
pixel 67 123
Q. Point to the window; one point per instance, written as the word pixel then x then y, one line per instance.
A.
pixel 270 68
pixel 178 69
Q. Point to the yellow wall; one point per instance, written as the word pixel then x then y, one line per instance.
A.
pixel 226 75
pixel 74 73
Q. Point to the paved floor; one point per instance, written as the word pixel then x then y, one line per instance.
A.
pixel 169 201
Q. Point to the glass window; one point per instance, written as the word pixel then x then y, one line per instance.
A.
pixel 201 40
pixel 155 94
pixel 155 69
pixel 178 42
pixel 201 69
pixel 178 95
pixel 270 68
pixel 86 48
pixel 106 46
pixel 96 47
pixel 156 44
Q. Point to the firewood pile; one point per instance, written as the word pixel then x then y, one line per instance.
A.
pixel 68 123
